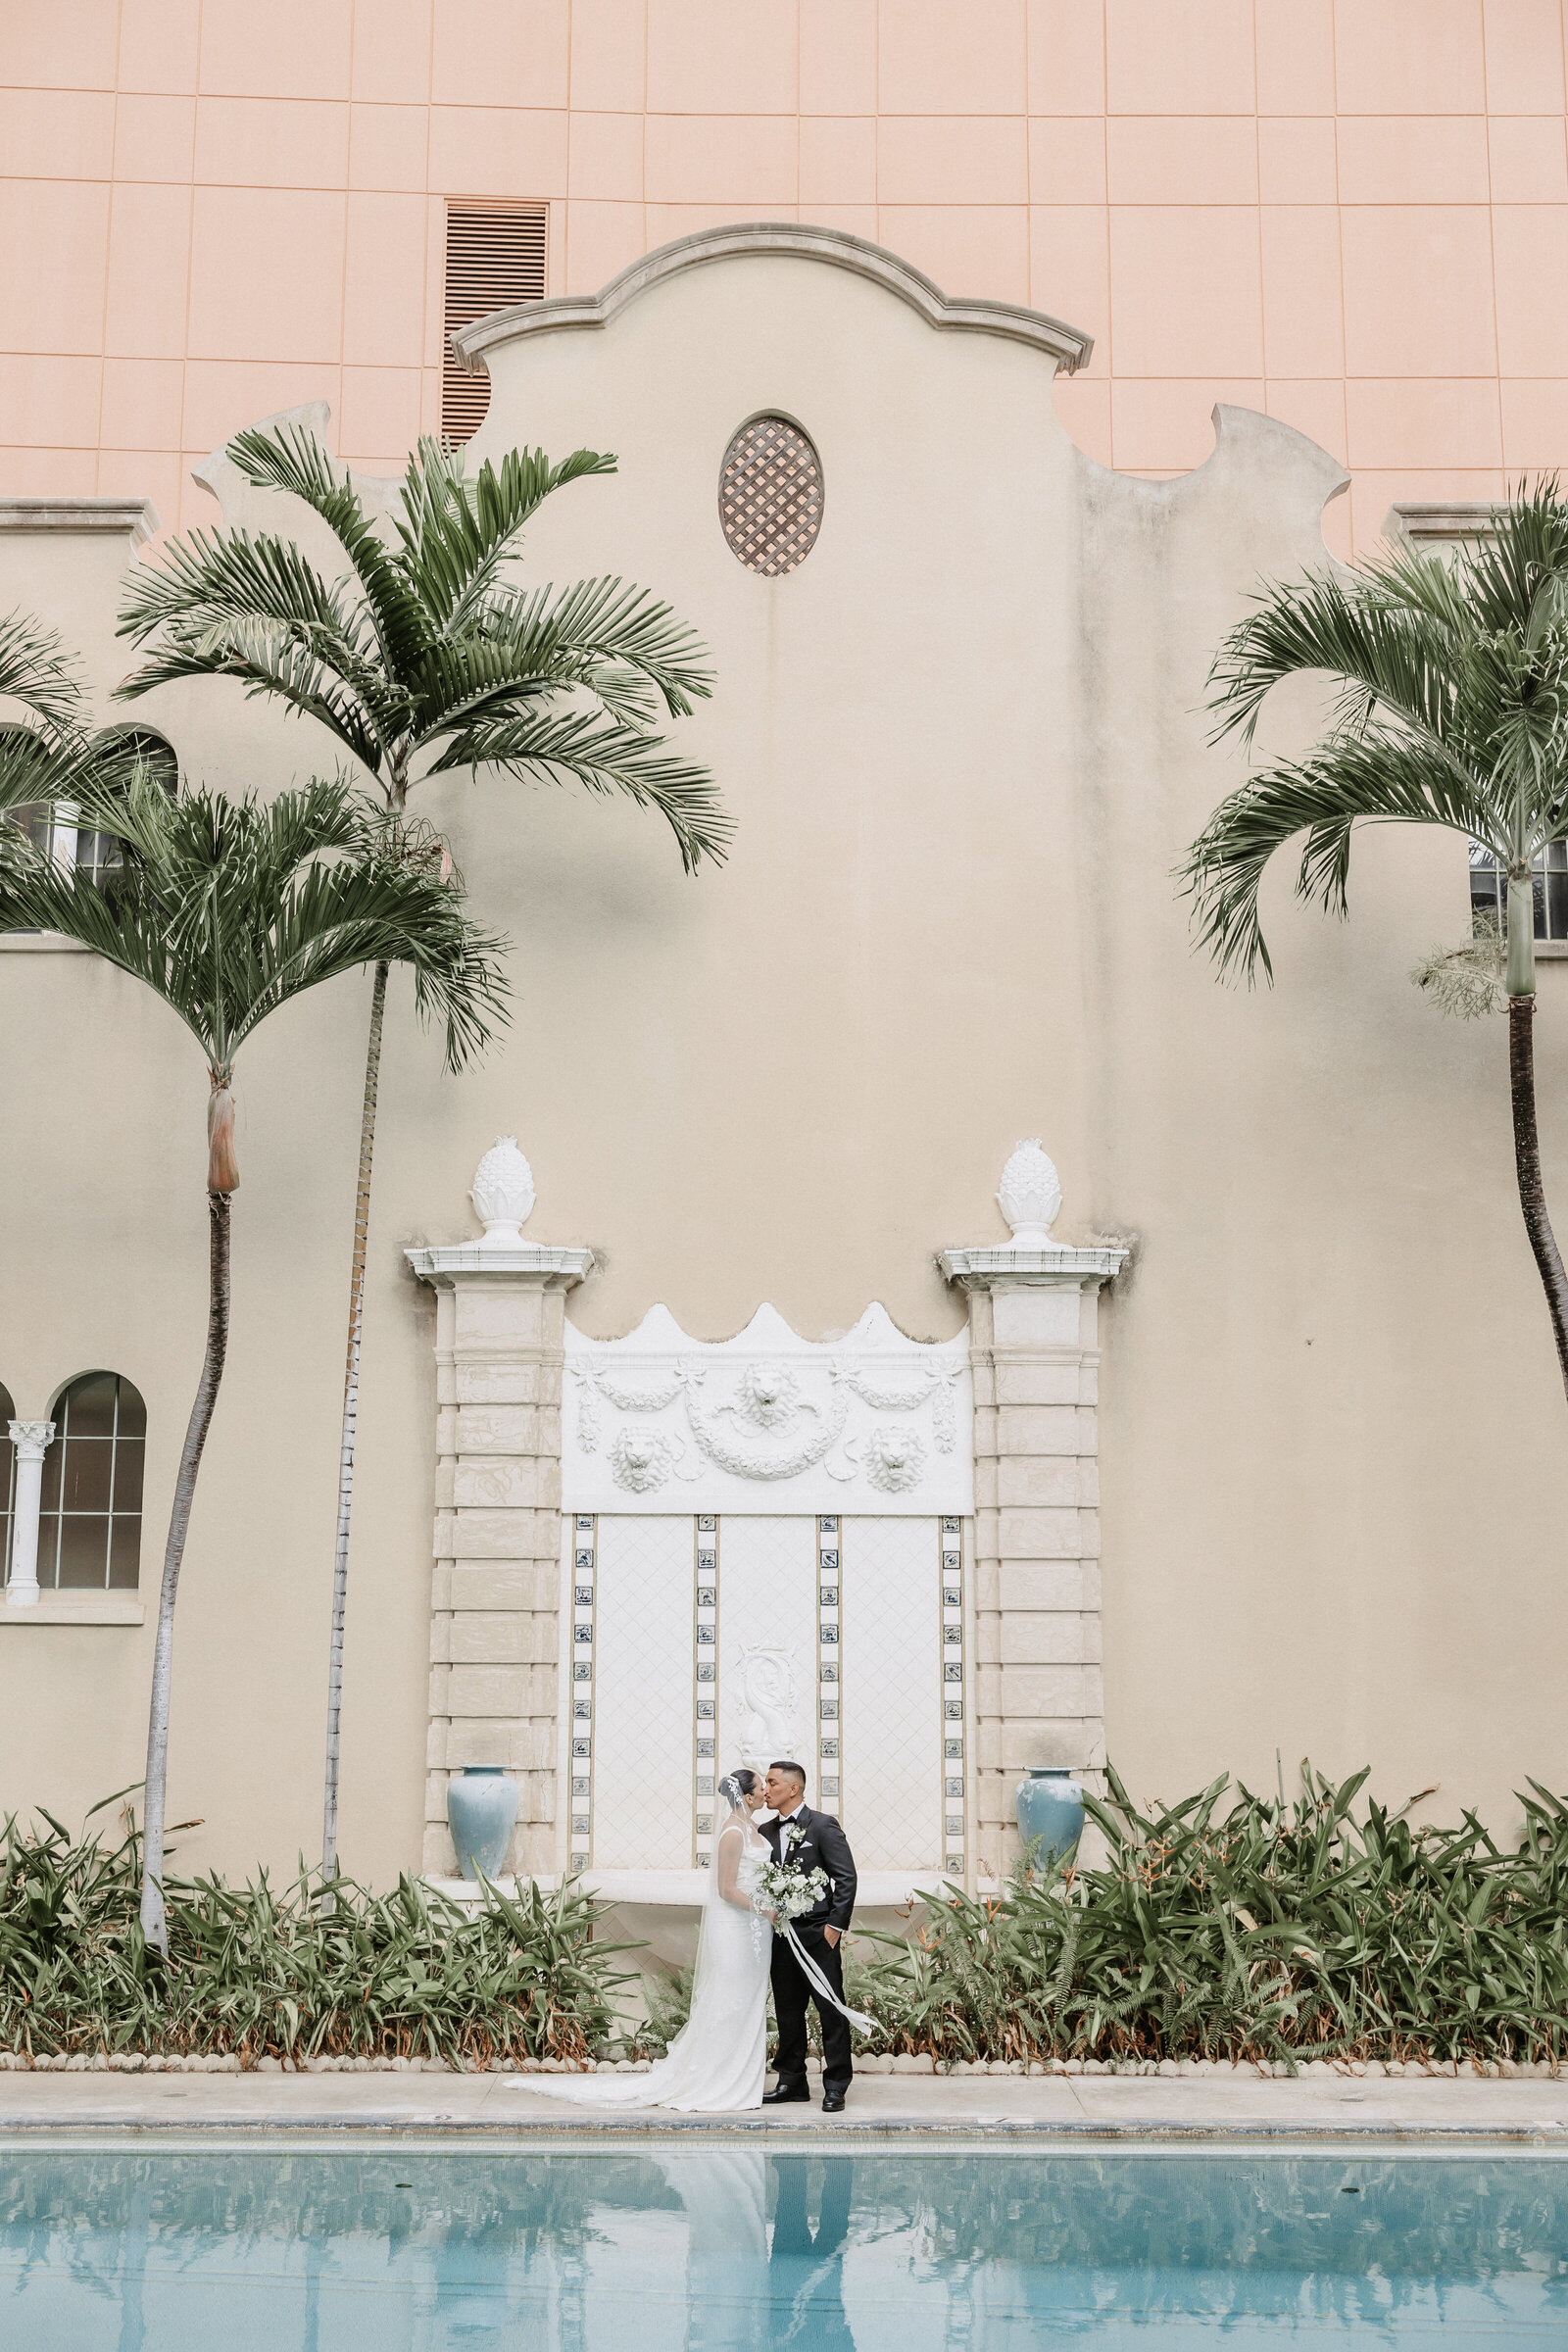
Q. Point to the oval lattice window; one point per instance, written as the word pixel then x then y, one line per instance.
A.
pixel 771 496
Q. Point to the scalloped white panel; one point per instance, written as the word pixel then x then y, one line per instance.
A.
pixel 767 1422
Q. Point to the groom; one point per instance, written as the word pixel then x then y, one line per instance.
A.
pixel 809 1841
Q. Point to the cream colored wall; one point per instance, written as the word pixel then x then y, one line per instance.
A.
pixel 961 747
pixel 1335 211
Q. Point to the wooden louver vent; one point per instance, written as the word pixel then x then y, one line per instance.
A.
pixel 495 256
pixel 771 496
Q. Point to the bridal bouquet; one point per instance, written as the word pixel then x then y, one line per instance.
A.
pixel 789 1892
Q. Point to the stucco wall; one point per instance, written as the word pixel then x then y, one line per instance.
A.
pixel 1337 210
pixel 962 750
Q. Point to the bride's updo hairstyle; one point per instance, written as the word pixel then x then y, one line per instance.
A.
pixel 737 1785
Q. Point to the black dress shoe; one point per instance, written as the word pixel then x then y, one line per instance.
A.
pixel 832 2102
pixel 787 2095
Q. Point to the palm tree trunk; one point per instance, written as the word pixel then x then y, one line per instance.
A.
pixel 1527 1160
pixel 351 1408
pixel 153 1923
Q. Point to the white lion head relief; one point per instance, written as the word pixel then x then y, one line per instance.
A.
pixel 893 1459
pixel 768 1396
pixel 641 1460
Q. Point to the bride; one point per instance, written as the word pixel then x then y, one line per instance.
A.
pixel 717 2063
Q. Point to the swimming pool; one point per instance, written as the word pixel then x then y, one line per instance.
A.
pixel 690 2246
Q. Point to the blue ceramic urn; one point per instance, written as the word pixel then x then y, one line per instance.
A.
pixel 481 1808
pixel 1051 1807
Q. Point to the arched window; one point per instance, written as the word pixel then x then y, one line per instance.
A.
pixel 8 1479
pixel 89 1525
pixel 99 854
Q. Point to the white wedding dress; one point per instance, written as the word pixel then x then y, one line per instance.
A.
pixel 717 2063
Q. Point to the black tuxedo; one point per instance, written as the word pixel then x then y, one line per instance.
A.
pixel 816 1843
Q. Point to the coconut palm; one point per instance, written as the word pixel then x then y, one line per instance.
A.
pixel 423 659
pixel 227 911
pixel 1453 711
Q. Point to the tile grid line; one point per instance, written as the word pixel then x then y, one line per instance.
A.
pixel 704 1686
pixel 584 1588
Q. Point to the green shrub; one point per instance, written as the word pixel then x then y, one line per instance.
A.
pixel 1251 1933
pixel 310 1973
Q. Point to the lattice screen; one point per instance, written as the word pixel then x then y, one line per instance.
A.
pixel 495 258
pixel 771 496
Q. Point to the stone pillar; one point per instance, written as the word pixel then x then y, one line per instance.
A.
pixel 1034 1343
pixel 496 1591
pixel 32 1440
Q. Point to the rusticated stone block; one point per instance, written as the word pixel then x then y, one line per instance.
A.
pixel 1037 1691
pixel 1034 1429
pixel 1049 1637
pixel 1048 1535
pixel 503 1584
pixel 519 1535
pixel 491 1429
pixel 490 1691
pixel 1046 1584
pixel 491 1637
pixel 515 1382
pixel 1038 1480
pixel 504 1482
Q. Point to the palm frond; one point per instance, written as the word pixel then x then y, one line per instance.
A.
pixel 291 459
pixel 228 909
pixel 1380 777
pixel 608 758
pixel 455 534
pixel 1359 633
pixel 606 621
pixel 35 672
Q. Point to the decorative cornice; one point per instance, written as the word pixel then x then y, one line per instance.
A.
pixel 1443 522
pixel 1004 1262
pixel 790 240
pixel 135 518
pixel 560 1268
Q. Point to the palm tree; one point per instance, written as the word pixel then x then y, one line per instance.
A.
pixel 1453 711
pixel 425 659
pixel 227 911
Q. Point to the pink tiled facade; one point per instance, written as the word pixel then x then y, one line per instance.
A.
pixel 1350 213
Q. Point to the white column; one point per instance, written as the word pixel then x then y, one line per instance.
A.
pixel 32 1440
pixel 496 1590
pixel 1034 1342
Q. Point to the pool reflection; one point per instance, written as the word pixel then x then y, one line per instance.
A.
pixel 703 2247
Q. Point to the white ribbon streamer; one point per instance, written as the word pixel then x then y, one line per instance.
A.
pixel 819 1982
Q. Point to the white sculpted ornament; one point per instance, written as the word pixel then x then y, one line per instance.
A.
pixel 1030 1196
pixel 769 1728
pixel 641 1460
pixel 894 1459
pixel 502 1194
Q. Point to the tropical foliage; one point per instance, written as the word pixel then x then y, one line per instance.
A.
pixel 1224 1927
pixel 227 911
pixel 264 1973
pixel 1452 711
pixel 1240 1928
pixel 426 657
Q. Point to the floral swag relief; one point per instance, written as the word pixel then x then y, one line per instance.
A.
pixel 767 1427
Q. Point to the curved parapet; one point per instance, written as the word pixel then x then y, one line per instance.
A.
pixel 1066 346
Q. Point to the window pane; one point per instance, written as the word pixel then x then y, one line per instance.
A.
pixel 1556 893
pixel 124 1554
pixel 127 1475
pixel 89 1406
pixel 51 1475
pixel 132 1412
pixel 48 1551
pixel 88 1461
pixel 83 1553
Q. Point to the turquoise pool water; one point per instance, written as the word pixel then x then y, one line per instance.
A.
pixel 682 2247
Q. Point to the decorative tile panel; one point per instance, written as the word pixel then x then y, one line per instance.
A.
pixel 767 1651
pixel 645 1694
pixel 893 1673
pixel 581 1550
pixel 704 1690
